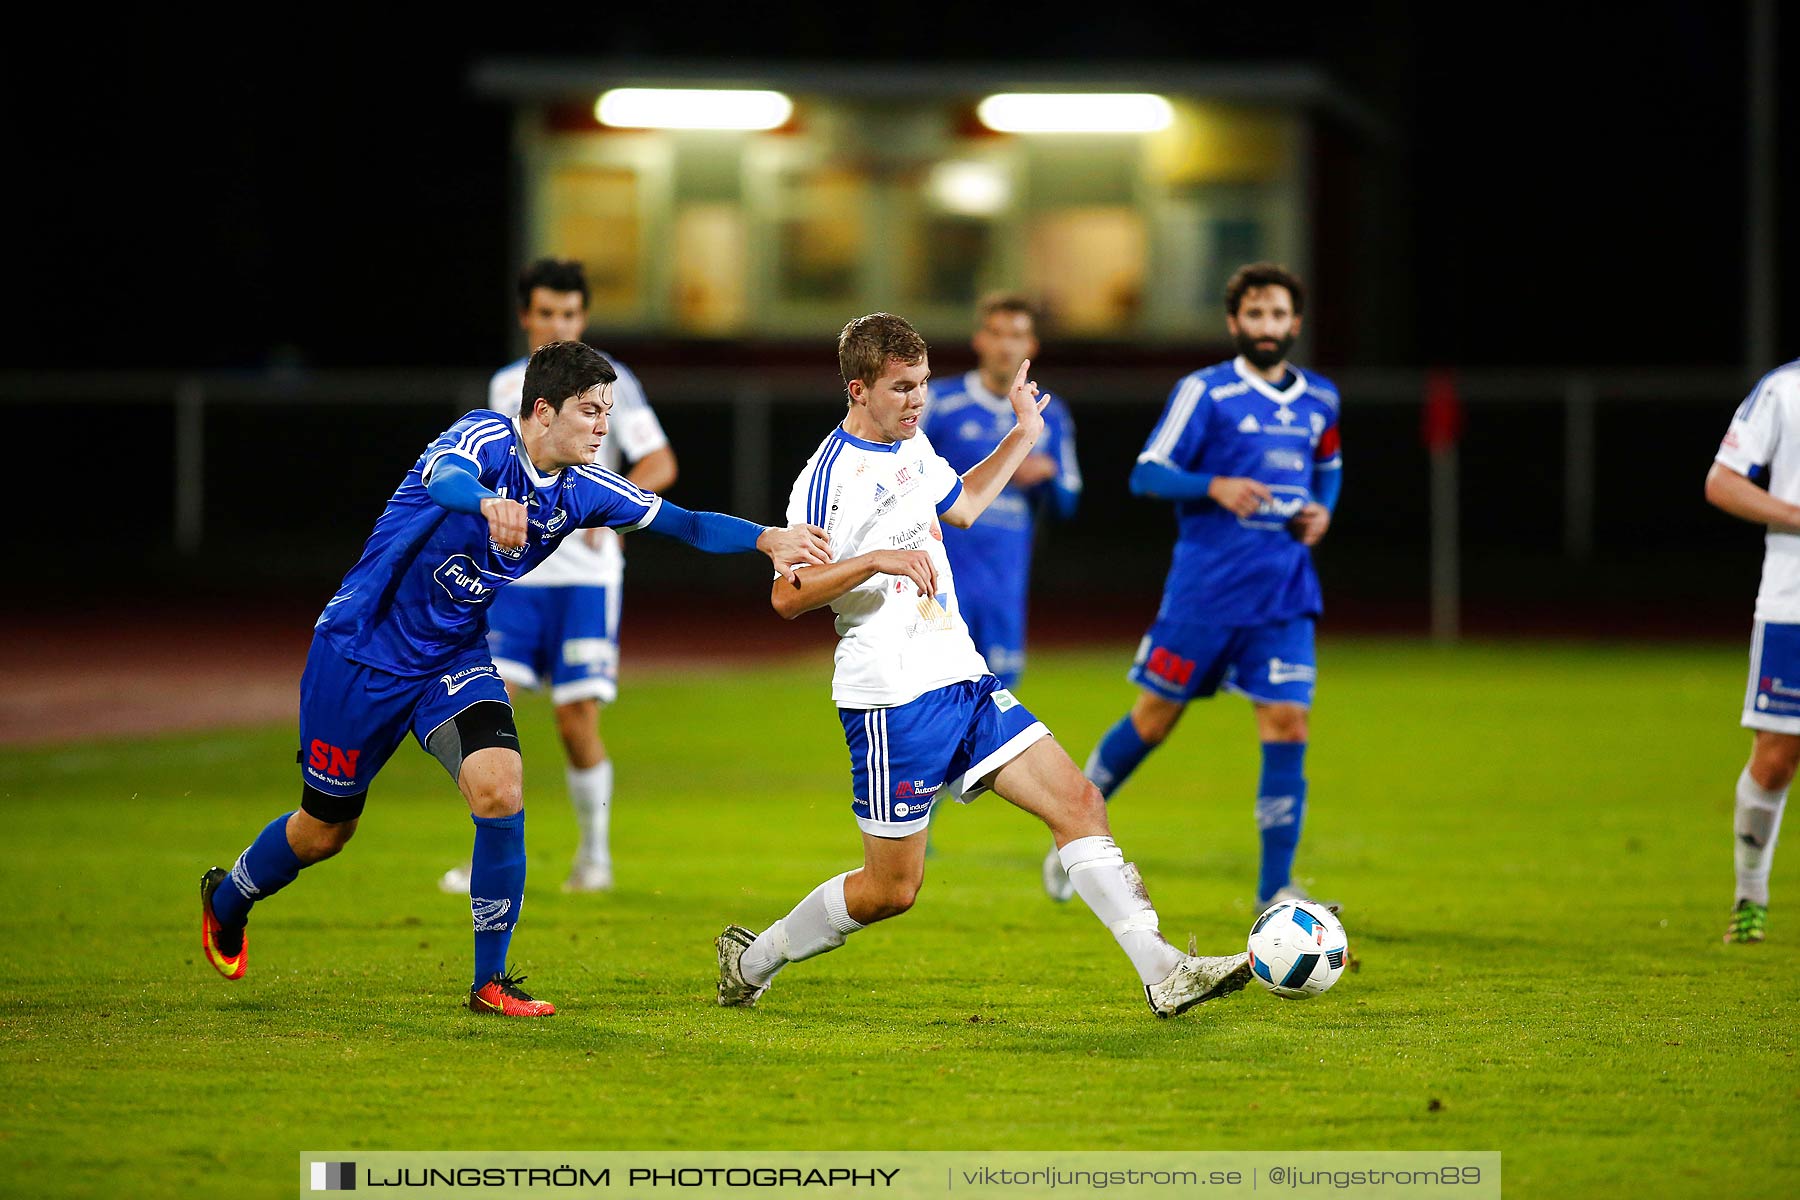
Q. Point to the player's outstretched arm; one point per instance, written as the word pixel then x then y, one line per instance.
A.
pixel 986 479
pixel 721 533
pixel 1731 492
pixel 816 587
pixel 455 487
pixel 1239 493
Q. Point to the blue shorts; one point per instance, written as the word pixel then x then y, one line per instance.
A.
pixel 566 637
pixel 1271 664
pixel 997 627
pixel 903 758
pixel 1772 698
pixel 353 717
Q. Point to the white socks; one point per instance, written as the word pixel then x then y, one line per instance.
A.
pixel 1115 891
pixel 590 794
pixel 1756 825
pixel 817 925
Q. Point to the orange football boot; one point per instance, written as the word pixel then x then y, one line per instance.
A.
pixel 228 950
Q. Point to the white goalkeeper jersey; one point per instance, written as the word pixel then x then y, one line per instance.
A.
pixel 1765 432
pixel 894 645
pixel 592 557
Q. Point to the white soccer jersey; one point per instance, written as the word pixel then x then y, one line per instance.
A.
pixel 894 645
pixel 632 432
pixel 1765 432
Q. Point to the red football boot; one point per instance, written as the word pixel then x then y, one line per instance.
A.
pixel 501 997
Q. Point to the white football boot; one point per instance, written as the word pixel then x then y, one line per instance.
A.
pixel 734 992
pixel 586 875
pixel 1196 980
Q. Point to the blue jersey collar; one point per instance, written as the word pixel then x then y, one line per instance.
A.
pixel 1287 395
pixel 537 477
pixel 843 435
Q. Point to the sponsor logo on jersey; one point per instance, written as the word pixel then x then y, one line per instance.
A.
pixel 1282 506
pixel 912 537
pixel 934 616
pixel 457 682
pixel 333 761
pixel 904 475
pixel 1287 672
pixel 465 582
pixel 1004 700
pixel 1730 442
pixel 1249 425
pixel 1284 460
pixel 908 789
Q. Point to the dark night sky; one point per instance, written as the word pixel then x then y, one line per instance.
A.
pixel 338 196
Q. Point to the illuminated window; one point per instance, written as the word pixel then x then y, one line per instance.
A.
pixel 820 234
pixel 710 267
pixel 593 215
pixel 1089 265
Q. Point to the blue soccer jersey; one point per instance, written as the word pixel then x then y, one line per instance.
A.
pixel 1226 420
pixel 992 558
pixel 418 596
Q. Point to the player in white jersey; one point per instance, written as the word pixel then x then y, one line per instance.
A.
pixel 1765 437
pixel 558 627
pixel 922 714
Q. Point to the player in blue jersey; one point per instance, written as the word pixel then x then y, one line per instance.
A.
pixel 559 628
pixel 1247 451
pixel 402 647
pixel 966 419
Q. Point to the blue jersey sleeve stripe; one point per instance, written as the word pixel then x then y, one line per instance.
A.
pixel 616 482
pixel 950 497
pixel 484 426
pixel 1162 441
pixel 821 485
pixel 1749 404
pixel 467 447
pixel 431 464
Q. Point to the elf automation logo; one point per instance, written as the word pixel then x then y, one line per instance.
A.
pixel 334 1177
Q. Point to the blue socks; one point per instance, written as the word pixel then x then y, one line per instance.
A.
pixel 496 889
pixel 1280 807
pixel 269 865
pixel 1116 757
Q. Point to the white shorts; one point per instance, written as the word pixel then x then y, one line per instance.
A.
pixel 1772 697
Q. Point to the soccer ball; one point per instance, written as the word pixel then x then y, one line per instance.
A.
pixel 1297 949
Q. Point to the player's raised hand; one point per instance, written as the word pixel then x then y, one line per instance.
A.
pixel 915 565
pixel 793 547
pixel 1311 523
pixel 1028 410
pixel 506 521
pixel 1238 493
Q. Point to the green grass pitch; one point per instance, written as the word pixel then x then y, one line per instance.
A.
pixel 1532 843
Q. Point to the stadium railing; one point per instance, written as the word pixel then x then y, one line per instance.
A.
pixel 754 400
